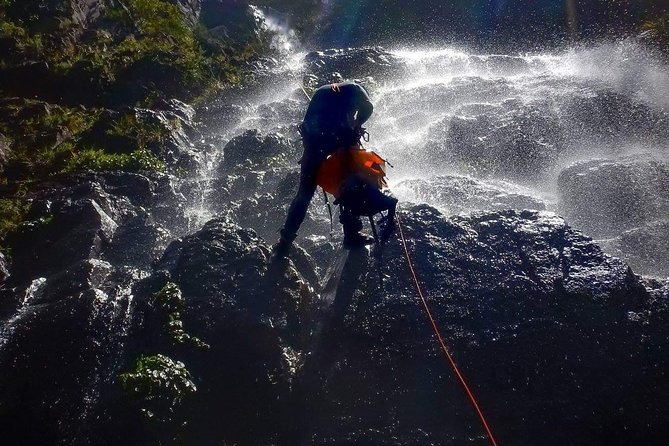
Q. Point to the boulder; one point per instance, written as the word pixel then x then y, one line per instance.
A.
pixel 351 62
pixel 606 197
pixel 552 335
pixel 252 313
pixel 64 342
pixel 645 248
pixel 458 194
pixel 254 150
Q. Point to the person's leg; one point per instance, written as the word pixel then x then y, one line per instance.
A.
pixel 300 204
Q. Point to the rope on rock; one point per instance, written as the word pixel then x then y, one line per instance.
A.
pixel 440 339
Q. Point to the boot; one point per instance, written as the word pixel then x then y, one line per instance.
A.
pixel 357 240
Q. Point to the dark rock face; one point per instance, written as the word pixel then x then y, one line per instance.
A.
pixel 552 334
pixel 229 19
pixel 606 197
pixel 459 194
pixel 91 217
pixel 252 149
pixel 67 306
pixel 252 315
pixel 50 14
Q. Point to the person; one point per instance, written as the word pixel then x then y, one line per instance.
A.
pixel 333 120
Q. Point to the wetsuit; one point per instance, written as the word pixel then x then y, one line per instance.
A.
pixel 333 120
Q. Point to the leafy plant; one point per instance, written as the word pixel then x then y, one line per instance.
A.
pixel 170 302
pixel 158 384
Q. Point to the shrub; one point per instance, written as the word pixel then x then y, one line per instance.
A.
pixel 99 160
pixel 158 385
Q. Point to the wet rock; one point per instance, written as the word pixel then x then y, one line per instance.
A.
pixel 65 340
pixel 175 147
pixel 645 248
pixel 252 149
pixel 250 312
pixel 606 197
pixel 66 310
pixel 82 218
pixel 458 194
pixel 4 268
pixel 515 141
pixel 230 20
pixel 539 319
pixel 351 62
pixel 190 10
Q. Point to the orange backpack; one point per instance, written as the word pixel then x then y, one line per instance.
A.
pixel 355 160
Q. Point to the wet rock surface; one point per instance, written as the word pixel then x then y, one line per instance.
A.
pixel 645 248
pixel 458 194
pixel 350 63
pixel 66 307
pixel 252 315
pixel 552 334
pixel 606 197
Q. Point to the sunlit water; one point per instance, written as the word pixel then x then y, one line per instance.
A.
pixel 512 122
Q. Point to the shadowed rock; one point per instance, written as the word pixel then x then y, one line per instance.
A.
pixel 552 334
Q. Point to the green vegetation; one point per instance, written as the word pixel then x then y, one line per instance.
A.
pixel 134 54
pixel 158 384
pixel 170 302
pixel 13 212
pixel 99 160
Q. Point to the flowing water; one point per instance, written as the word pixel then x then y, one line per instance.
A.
pixel 503 124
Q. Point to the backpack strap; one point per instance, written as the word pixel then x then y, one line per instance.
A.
pixel 327 203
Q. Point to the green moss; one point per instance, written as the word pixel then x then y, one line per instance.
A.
pixel 145 134
pixel 135 54
pixel 99 160
pixel 170 302
pixel 13 212
pixel 158 384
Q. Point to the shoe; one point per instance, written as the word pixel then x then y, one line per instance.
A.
pixel 357 240
pixel 281 249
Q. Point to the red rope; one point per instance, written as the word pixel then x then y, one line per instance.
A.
pixel 437 333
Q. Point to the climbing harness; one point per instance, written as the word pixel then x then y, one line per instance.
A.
pixel 438 335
